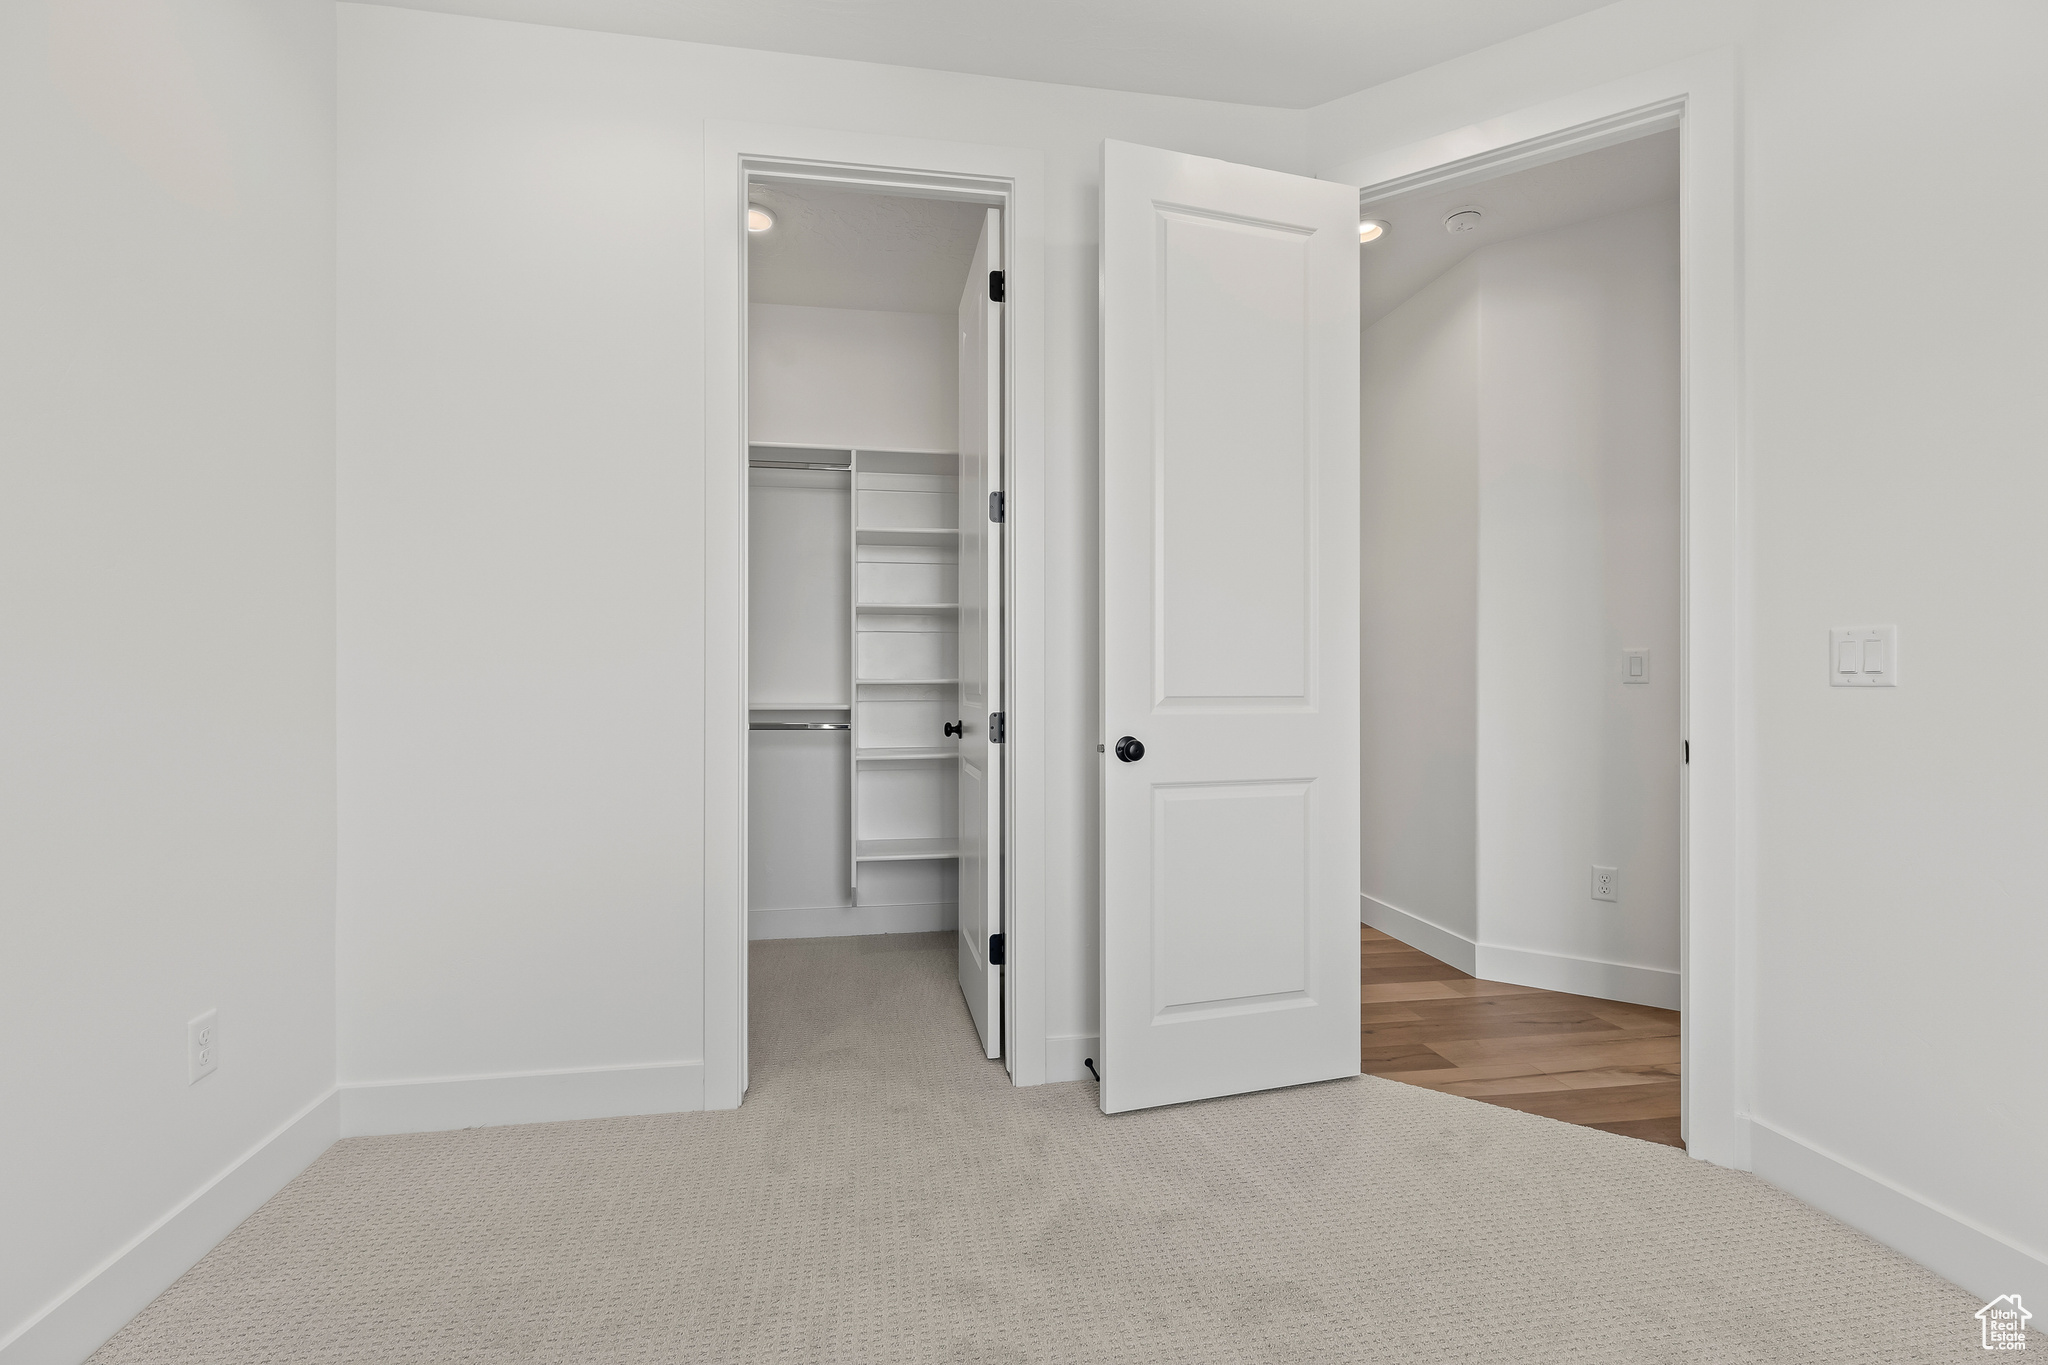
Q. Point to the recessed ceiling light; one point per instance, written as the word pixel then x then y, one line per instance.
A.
pixel 759 219
pixel 1371 230
pixel 1462 220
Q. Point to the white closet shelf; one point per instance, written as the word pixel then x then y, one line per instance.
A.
pixel 799 445
pixel 905 608
pixel 905 682
pixel 905 535
pixel 799 706
pixel 904 850
pixel 904 755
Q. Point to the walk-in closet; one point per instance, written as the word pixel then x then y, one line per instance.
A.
pixel 868 315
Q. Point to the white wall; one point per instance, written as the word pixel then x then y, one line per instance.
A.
pixel 1899 406
pixel 851 377
pixel 166 636
pixel 1578 560
pixel 799 580
pixel 1894 413
pixel 518 584
pixel 521 434
pixel 1419 628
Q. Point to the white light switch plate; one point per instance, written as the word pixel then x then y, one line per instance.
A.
pixel 1635 665
pixel 1863 656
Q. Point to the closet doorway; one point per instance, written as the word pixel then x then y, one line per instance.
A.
pixel 875 591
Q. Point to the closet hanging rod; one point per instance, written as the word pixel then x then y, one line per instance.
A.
pixel 799 464
pixel 794 725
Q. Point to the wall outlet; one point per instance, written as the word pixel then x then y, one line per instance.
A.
pixel 202 1045
pixel 1606 884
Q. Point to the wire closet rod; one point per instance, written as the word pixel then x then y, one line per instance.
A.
pixel 794 725
pixel 799 464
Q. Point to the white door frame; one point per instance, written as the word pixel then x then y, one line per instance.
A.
pixel 1013 178
pixel 1716 901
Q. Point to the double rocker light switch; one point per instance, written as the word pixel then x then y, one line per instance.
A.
pixel 1863 656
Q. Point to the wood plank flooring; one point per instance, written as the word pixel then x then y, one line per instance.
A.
pixel 1600 1063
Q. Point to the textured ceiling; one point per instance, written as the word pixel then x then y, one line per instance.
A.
pixel 1287 53
pixel 839 249
pixel 1416 248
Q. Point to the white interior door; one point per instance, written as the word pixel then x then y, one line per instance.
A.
pixel 981 637
pixel 1230 954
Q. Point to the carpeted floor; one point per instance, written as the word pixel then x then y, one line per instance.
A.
pixel 886 1196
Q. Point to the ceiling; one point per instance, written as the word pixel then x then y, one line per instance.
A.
pixel 1290 54
pixel 1417 249
pixel 834 248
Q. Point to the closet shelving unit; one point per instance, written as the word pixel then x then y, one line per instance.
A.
pixel 906 624
pixel 901 670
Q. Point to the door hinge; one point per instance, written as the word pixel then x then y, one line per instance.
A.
pixel 995 286
pixel 997 506
pixel 995 950
pixel 998 731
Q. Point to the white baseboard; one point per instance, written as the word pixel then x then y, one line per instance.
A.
pixel 100 1304
pixel 428 1106
pixel 1952 1246
pixel 834 921
pixel 1578 976
pixel 1064 1054
pixel 1445 945
pixel 1523 966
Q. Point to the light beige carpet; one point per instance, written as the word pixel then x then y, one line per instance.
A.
pixel 886 1196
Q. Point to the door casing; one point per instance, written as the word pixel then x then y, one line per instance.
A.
pixel 1005 177
pixel 1716 809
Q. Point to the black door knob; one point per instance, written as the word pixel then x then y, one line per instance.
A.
pixel 1129 750
pixel 954 727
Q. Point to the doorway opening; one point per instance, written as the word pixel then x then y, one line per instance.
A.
pixel 1523 609
pixel 874 577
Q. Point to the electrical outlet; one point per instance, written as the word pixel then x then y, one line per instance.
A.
pixel 202 1045
pixel 1606 884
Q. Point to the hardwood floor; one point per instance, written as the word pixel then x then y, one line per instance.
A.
pixel 1600 1063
